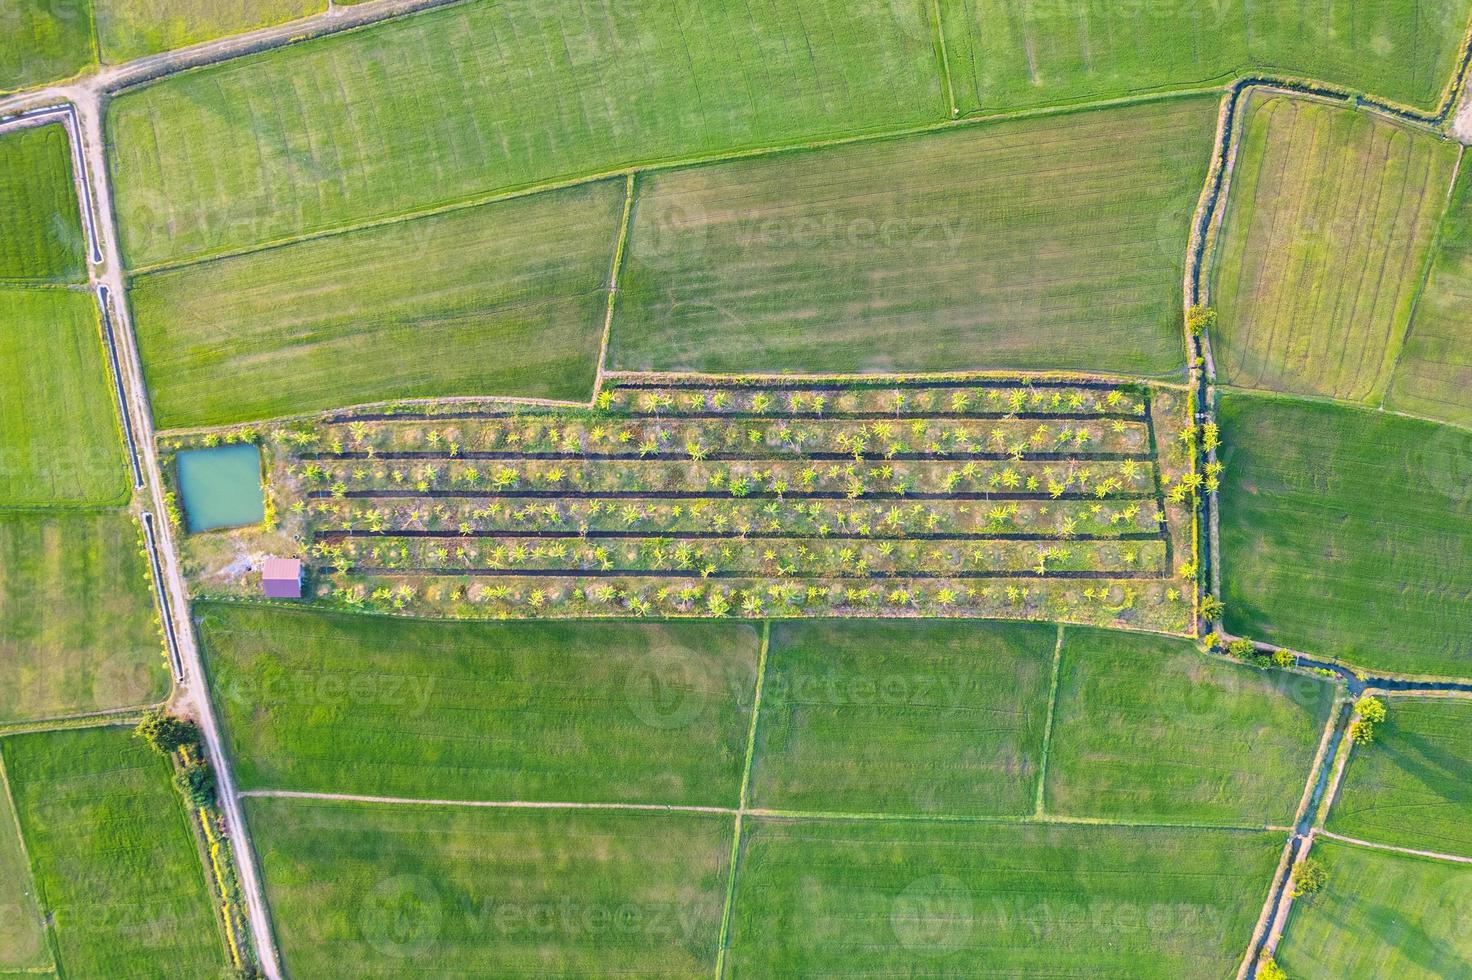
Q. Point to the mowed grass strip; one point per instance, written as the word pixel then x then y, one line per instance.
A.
pixel 80 631
pixel 1004 54
pixel 40 226
pixel 865 899
pixel 46 40
pixel 1409 787
pixel 504 299
pixel 1381 915
pixel 23 946
pixel 1434 374
pixel 116 865
pixel 1146 728
pixel 1049 243
pixel 903 717
pixel 128 29
pixel 586 712
pixel 479 98
pixel 1347 533
pixel 59 437
pixel 390 891
pixel 1328 225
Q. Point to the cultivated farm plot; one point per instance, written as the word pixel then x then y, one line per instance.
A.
pixel 23 946
pixel 1146 728
pixel 1053 243
pixel 1381 915
pixel 40 228
pixel 1324 248
pixel 113 856
pixel 626 712
pixel 903 717
pixel 479 98
pixel 44 40
pixel 59 437
pixel 1346 533
pixel 505 299
pixel 389 891
pixel 1409 786
pixel 1434 374
pixel 1004 55
pixel 1015 498
pixel 128 29
pixel 80 631
pixel 862 898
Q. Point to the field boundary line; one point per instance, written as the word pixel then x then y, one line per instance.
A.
pixel 770 813
pixel 1425 280
pixel 37 893
pixel 724 939
pixel 681 163
pixel 1341 403
pixel 106 718
pixel 1413 852
pixel 945 59
pixel 1037 809
pixel 291 794
pixel 616 266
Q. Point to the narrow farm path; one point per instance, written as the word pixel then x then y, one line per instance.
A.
pixel 113 77
pixel 1437 855
pixel 287 794
pixel 774 813
pixel 190 695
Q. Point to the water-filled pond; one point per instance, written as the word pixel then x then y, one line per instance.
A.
pixel 221 486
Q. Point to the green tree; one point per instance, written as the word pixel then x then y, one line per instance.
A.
pixel 1200 319
pixel 1362 731
pixel 1241 648
pixel 1309 876
pixel 1268 969
pixel 1212 608
pixel 165 732
pixel 1370 708
pixel 197 782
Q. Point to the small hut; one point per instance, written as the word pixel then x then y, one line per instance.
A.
pixel 282 578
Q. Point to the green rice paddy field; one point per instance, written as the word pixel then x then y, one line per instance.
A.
pixel 1346 533
pixel 391 891
pixel 507 298
pixel 1329 224
pixel 864 899
pixel 1381 915
pixel 59 437
pixel 40 229
pixel 1053 242
pixel 903 717
pixel 1004 54
pixel 58 41
pixel 469 100
pixel 1434 375
pixel 22 931
pixel 114 861
pixel 1146 728
pixel 1409 786
pixel 128 29
pixel 909 719
pixel 80 629
pixel 547 711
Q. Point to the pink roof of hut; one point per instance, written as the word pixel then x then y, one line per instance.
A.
pixel 282 578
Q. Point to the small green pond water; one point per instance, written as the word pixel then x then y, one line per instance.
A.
pixel 221 486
